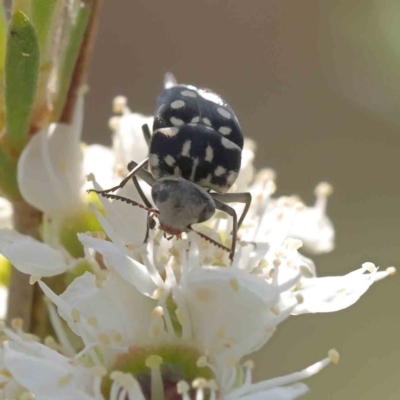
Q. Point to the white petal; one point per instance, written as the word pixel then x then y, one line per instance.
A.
pixel 129 222
pixel 5 213
pixel 116 306
pixel 29 255
pixel 129 269
pixel 50 173
pixel 99 160
pixel 290 392
pixel 128 141
pixel 226 300
pixel 39 369
pixel 314 229
pixel 3 302
pixel 333 293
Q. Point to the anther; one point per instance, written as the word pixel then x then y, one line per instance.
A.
pixel 158 293
pixel 323 189
pixel 17 323
pixel 182 387
pixel 199 383
pixel 114 123
pixel 153 361
pixel 334 356
pixel 262 263
pixel 293 244
pixel 157 312
pixel 391 270
pixel 212 385
pixel 119 104
pixel 249 364
pixel 299 298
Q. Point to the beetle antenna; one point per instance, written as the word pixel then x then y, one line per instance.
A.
pixel 212 241
pixel 126 200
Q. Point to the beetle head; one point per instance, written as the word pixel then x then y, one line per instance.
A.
pixel 181 203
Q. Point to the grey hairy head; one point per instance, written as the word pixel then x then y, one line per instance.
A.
pixel 181 203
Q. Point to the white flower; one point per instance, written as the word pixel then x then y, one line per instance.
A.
pixel 128 140
pixel 274 220
pixel 130 305
pixel 166 318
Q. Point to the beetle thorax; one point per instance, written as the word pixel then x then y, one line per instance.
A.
pixel 181 203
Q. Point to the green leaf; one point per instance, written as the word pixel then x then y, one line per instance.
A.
pixel 70 57
pixel 24 6
pixel 43 12
pixel 3 36
pixel 21 75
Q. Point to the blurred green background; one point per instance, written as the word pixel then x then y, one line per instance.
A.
pixel 317 84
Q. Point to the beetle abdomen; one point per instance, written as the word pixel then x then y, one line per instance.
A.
pixel 197 153
pixel 187 104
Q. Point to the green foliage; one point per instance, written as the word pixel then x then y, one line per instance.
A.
pixel 21 76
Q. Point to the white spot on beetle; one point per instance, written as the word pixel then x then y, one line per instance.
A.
pixel 195 120
pixel 209 154
pixel 170 132
pixel 176 121
pixel 224 130
pixel 186 148
pixel 206 181
pixel 210 96
pixel 219 170
pixel 189 93
pixel 231 178
pixel 177 171
pixel 229 145
pixel 207 121
pixel 170 160
pixel 224 113
pixel 154 160
pixel 177 104
pixel 194 167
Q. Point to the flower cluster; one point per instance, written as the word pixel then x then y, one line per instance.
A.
pixel 165 319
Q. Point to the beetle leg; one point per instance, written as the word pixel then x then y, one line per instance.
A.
pixel 235 198
pixel 146 133
pixel 229 210
pixel 131 174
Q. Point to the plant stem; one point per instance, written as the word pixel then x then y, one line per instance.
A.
pixel 82 63
pixel 22 295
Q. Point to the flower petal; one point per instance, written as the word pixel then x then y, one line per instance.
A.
pixel 40 370
pixel 29 255
pixel 116 306
pixel 129 269
pixel 290 392
pixel 128 140
pixel 334 293
pixel 50 173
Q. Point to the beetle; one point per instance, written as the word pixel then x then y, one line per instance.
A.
pixel 194 159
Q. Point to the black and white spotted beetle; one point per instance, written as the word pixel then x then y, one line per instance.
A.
pixel 194 158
